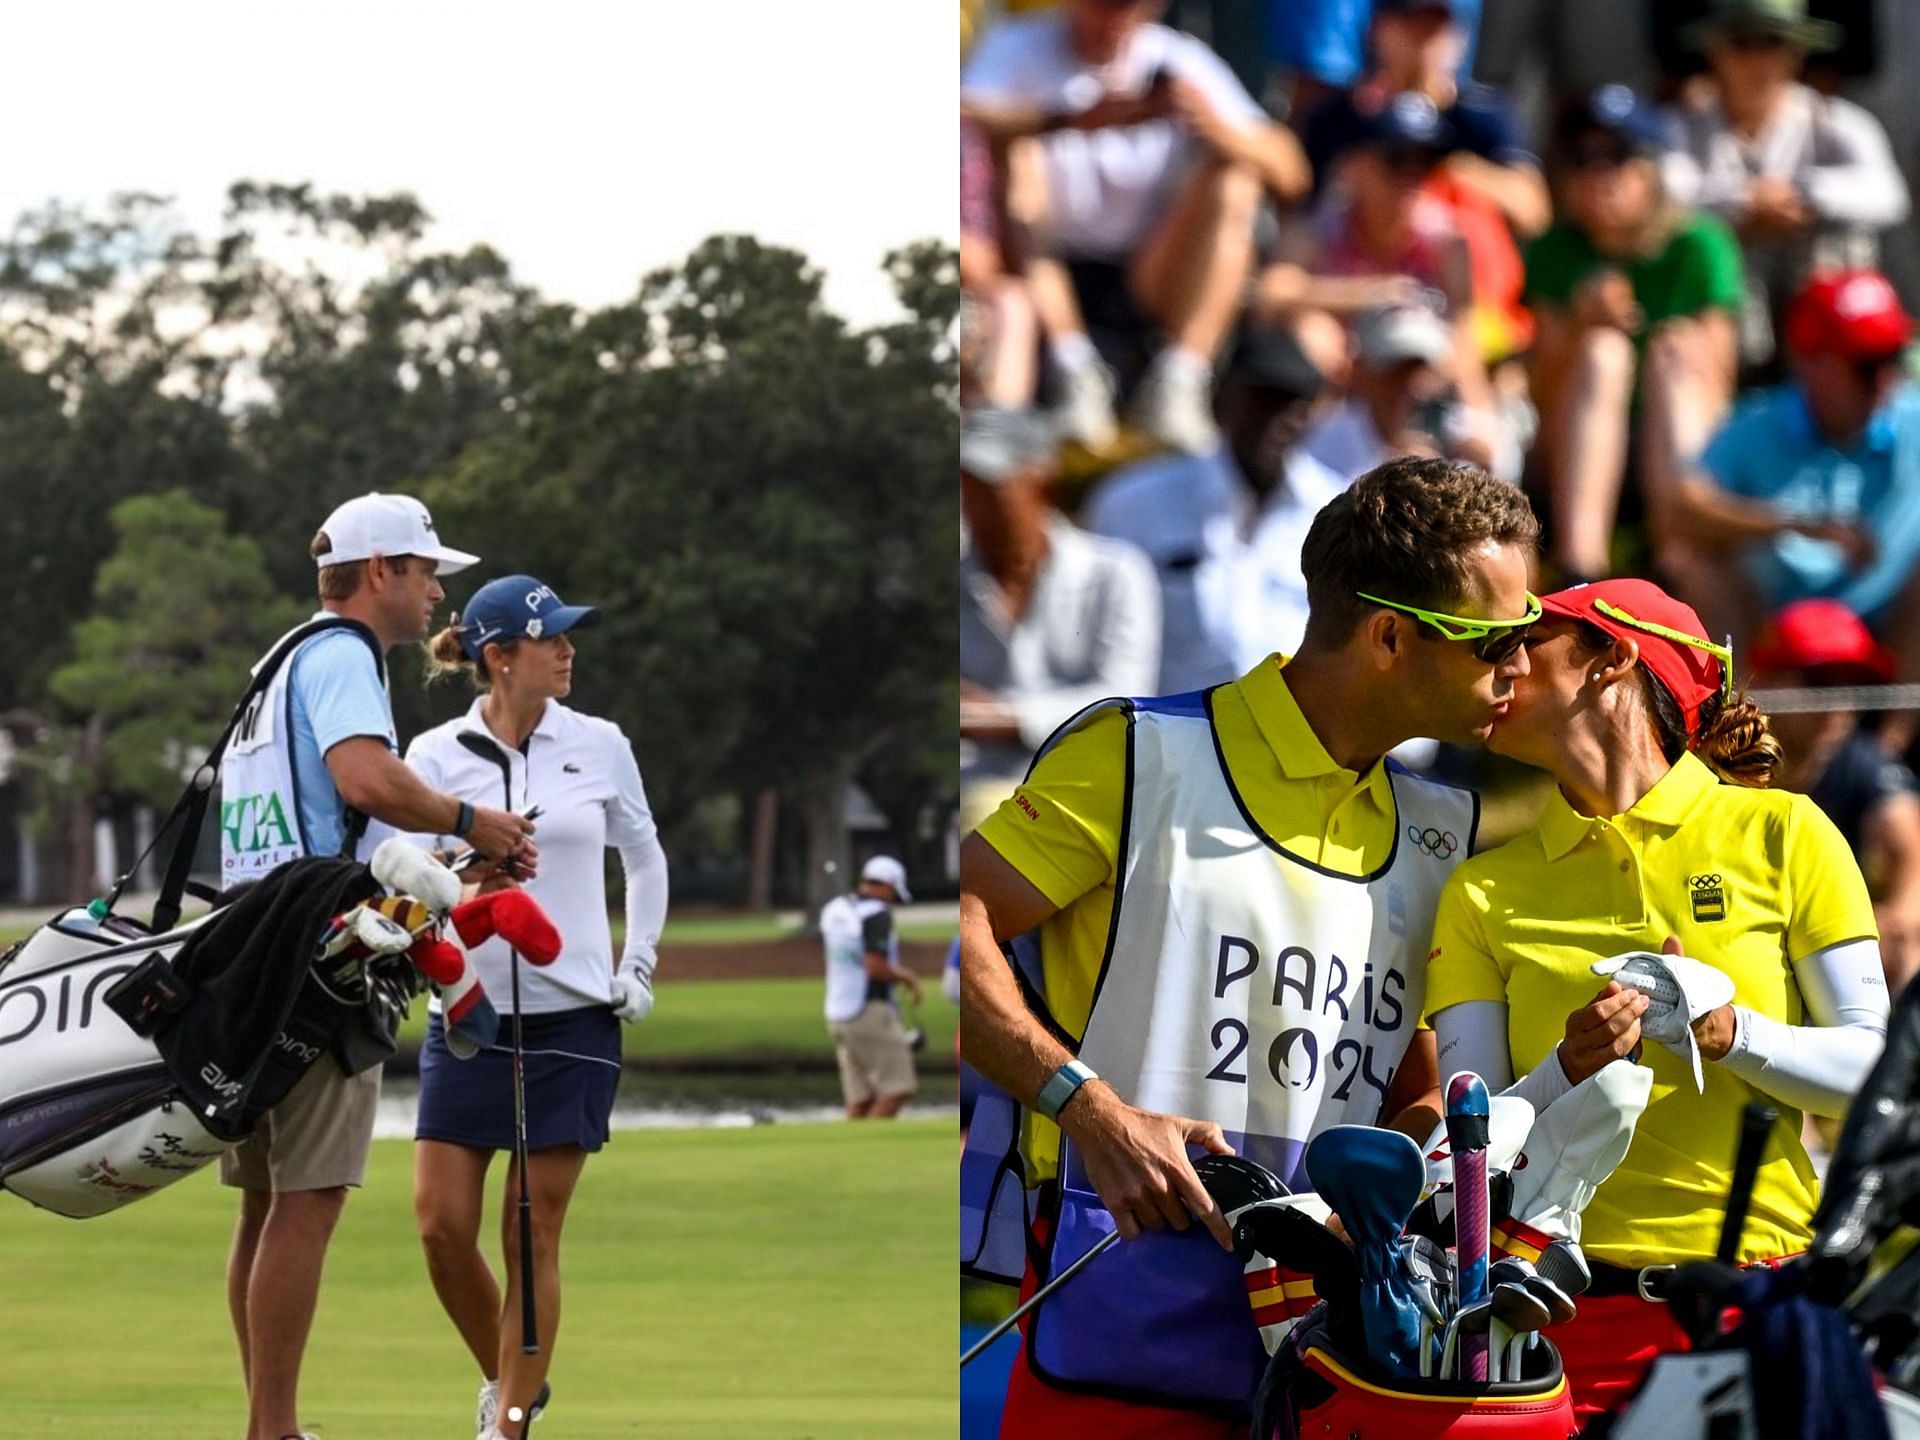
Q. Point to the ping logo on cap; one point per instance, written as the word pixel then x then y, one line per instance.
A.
pixel 1708 897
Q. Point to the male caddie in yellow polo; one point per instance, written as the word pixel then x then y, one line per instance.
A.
pixel 1233 892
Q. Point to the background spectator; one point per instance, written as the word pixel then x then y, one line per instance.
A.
pixel 1865 791
pixel 1807 181
pixel 1137 161
pixel 1000 330
pixel 1401 399
pixel 1051 618
pixel 1813 488
pixel 1224 530
pixel 1635 298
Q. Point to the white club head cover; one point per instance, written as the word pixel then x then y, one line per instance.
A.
pixel 379 934
pixel 1509 1120
pixel 1679 990
pixel 408 869
pixel 1577 1142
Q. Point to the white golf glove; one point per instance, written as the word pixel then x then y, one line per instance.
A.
pixel 633 989
pixel 1679 990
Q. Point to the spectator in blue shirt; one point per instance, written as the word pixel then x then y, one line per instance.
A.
pixel 1813 488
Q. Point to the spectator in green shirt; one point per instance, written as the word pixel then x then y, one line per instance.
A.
pixel 1636 300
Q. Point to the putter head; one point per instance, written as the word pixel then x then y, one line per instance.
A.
pixel 916 1039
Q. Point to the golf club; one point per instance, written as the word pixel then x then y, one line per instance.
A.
pixel 1468 1320
pixel 489 749
pixel 1289 1236
pixel 1432 1273
pixel 1564 1264
pixel 1467 1112
pixel 1515 1310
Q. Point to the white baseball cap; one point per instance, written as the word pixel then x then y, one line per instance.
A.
pixel 888 871
pixel 1396 334
pixel 390 525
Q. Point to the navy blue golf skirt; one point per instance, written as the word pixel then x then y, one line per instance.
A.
pixel 572 1070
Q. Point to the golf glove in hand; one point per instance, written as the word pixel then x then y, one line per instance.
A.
pixel 633 990
pixel 1577 1142
pixel 1679 990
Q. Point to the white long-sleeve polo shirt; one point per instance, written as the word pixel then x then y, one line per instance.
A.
pixel 581 772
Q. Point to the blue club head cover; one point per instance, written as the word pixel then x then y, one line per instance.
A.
pixel 1372 1178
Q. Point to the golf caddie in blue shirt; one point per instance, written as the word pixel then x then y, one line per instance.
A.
pixel 312 767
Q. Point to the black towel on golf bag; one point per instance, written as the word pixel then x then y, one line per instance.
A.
pixel 258 1018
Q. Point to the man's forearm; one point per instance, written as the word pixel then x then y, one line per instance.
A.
pixel 393 793
pixel 999 1036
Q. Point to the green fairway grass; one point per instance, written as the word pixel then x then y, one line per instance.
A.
pixel 746 1020
pixel 789 1281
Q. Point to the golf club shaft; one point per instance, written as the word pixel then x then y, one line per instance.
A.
pixel 1755 1121
pixel 1039 1295
pixel 529 1316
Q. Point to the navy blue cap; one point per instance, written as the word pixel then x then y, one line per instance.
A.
pixel 517 607
pixel 1409 121
pixel 1616 110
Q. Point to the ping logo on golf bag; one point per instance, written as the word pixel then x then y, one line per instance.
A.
pixel 25 1008
pixel 1436 844
pixel 1709 899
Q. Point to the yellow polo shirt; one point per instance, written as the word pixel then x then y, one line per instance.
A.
pixel 1747 879
pixel 1061 828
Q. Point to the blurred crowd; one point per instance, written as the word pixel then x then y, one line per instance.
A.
pixel 1652 297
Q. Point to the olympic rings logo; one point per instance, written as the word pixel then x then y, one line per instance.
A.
pixel 1438 843
pixel 1704 882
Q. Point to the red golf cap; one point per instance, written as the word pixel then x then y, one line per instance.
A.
pixel 1690 674
pixel 1823 635
pixel 1850 313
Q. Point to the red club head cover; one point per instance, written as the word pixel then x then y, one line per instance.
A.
pixel 515 917
pixel 439 960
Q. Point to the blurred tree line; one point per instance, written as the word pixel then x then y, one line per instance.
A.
pixel 757 494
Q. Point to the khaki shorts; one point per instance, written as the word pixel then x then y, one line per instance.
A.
pixel 315 1139
pixel 875 1060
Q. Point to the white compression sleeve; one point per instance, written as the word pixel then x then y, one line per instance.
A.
pixel 1818 1067
pixel 1473 1036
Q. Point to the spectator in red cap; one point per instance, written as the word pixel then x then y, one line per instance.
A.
pixel 1813 487
pixel 1663 834
pixel 1867 792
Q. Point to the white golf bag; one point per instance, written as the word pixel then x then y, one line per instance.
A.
pixel 89 1118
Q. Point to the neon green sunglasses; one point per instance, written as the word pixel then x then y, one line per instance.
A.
pixel 1722 653
pixel 1493 641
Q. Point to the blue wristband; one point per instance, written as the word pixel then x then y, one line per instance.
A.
pixel 463 822
pixel 1061 1087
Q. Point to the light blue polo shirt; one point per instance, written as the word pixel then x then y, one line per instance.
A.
pixel 1770 450
pixel 336 695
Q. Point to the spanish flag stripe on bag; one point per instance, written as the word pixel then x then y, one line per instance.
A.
pixel 1515 1237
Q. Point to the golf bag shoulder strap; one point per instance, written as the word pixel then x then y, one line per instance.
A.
pixel 190 811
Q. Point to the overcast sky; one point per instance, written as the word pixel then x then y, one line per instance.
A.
pixel 587 142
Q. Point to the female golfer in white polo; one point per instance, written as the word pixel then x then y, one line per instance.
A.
pixel 518 747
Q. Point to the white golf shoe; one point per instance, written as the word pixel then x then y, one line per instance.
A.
pixel 488 1408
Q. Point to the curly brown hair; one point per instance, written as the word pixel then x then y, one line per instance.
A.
pixel 1405 530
